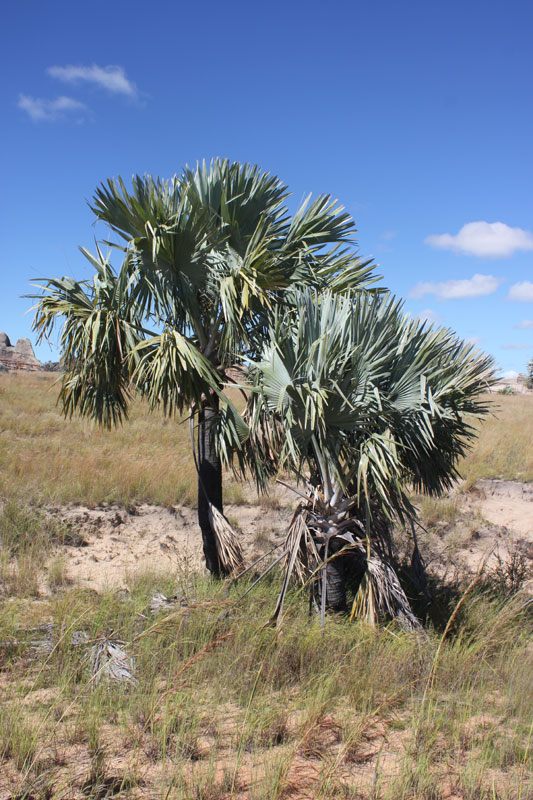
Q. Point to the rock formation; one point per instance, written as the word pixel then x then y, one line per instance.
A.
pixel 21 356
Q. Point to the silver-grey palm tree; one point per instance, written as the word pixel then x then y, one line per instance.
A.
pixel 360 403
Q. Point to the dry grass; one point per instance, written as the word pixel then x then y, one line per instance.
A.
pixel 225 708
pixel 504 448
pixel 49 459
pixel 53 460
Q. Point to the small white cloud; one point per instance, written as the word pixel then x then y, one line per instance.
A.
pixel 431 316
pixel 526 323
pixel 523 291
pixel 473 340
pixel 477 286
pixel 509 374
pixel 40 109
pixel 517 347
pixel 485 240
pixel 388 235
pixel 113 78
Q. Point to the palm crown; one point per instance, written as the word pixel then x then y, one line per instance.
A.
pixel 357 398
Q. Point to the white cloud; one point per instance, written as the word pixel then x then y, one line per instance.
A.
pixel 388 235
pixel 484 239
pixel 522 291
pixel 431 316
pixel 112 78
pixel 473 340
pixel 517 347
pixel 477 286
pixel 508 374
pixel 526 323
pixel 40 109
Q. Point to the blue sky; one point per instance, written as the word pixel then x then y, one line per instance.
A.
pixel 416 115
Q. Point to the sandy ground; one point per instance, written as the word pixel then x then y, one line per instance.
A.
pixel 508 504
pixel 118 542
pixel 517 386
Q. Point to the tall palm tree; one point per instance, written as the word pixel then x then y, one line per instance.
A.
pixel 205 258
pixel 360 402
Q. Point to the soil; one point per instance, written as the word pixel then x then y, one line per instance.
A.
pixel 495 518
pixel 117 542
pixel 508 504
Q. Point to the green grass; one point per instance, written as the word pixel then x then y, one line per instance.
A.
pixel 225 707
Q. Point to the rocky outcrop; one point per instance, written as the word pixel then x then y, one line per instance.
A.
pixel 21 356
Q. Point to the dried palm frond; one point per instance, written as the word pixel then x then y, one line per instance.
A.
pixel 364 603
pixel 381 590
pixel 40 645
pixel 299 540
pixel 229 548
pixel 79 638
pixel 110 661
pixel 308 551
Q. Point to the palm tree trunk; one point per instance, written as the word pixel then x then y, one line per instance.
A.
pixel 336 579
pixel 209 485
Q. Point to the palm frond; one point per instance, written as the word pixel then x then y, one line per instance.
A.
pixel 229 548
pixel 111 663
pixel 363 399
pixel 101 330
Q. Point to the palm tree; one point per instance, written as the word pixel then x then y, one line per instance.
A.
pixel 206 257
pixel 360 402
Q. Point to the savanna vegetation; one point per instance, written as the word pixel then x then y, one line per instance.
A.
pixel 177 685
pixel 47 459
pixel 219 705
pixel 222 706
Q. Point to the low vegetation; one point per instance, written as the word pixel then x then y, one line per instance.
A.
pixel 219 704
pixel 53 460
pixel 49 459
pixel 504 448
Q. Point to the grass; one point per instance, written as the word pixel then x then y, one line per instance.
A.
pixel 225 707
pixel 504 448
pixel 27 539
pixel 53 460
pixel 49 459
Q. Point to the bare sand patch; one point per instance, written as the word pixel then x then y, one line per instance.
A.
pixel 118 541
pixel 506 503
